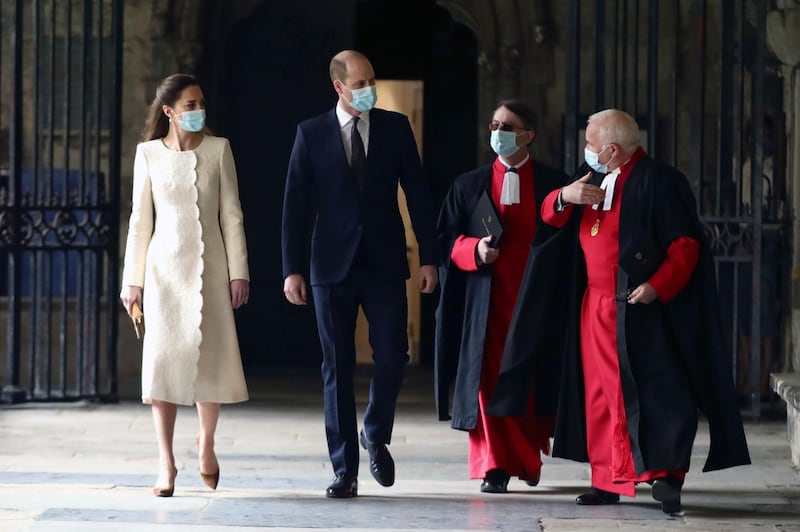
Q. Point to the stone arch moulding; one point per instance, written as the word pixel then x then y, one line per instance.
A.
pixel 504 66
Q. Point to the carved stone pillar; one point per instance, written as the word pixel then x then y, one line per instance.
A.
pixel 178 43
pixel 514 57
pixel 784 41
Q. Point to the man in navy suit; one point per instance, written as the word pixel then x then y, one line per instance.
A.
pixel 343 173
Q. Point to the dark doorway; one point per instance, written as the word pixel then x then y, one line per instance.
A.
pixel 444 55
pixel 276 75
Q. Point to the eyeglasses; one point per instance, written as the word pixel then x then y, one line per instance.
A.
pixel 494 125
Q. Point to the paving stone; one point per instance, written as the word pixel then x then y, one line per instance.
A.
pixel 83 466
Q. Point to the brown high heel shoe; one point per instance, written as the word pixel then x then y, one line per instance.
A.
pixel 166 491
pixel 210 479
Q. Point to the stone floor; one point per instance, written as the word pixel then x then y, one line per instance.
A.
pixel 90 467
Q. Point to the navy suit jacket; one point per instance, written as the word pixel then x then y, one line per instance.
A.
pixel 321 189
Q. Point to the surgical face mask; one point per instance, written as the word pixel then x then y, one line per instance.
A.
pixel 364 98
pixel 593 160
pixel 193 121
pixel 504 143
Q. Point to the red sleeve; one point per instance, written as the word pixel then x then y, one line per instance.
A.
pixel 673 274
pixel 463 253
pixel 549 214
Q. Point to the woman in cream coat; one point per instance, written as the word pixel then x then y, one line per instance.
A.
pixel 186 254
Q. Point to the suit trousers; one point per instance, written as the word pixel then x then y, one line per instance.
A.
pixel 386 309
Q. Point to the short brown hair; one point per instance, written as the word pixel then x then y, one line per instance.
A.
pixel 522 110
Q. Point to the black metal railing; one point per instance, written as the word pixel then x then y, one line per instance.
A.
pixel 698 79
pixel 59 199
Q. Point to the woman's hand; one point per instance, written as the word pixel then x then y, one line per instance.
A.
pixel 128 295
pixel 240 292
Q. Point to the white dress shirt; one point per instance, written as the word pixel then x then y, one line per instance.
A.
pixel 345 127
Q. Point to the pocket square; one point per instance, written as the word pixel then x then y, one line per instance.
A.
pixel 137 317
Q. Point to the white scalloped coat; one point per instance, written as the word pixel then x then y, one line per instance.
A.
pixel 185 244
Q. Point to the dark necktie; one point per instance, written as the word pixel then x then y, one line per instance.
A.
pixel 358 159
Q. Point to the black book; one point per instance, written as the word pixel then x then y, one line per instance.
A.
pixel 485 221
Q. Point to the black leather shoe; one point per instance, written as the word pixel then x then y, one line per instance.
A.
pixel 343 487
pixel 667 491
pixel 496 481
pixel 596 497
pixel 381 464
pixel 533 481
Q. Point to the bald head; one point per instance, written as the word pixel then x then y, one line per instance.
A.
pixel 345 61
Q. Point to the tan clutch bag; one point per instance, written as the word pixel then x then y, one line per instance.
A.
pixel 137 317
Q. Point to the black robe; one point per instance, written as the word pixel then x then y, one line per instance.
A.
pixel 464 304
pixel 672 356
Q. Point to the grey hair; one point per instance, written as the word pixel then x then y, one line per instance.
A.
pixel 617 127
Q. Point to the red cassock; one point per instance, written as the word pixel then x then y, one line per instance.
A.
pixel 511 443
pixel 607 437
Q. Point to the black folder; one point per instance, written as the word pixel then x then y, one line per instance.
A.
pixel 485 220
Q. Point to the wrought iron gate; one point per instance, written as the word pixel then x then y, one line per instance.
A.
pixel 60 78
pixel 697 76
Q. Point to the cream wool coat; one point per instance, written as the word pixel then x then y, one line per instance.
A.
pixel 185 244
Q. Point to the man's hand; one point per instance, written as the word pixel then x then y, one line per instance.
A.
pixel 644 293
pixel 428 277
pixel 580 192
pixel 294 288
pixel 486 253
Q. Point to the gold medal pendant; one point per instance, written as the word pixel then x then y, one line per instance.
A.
pixel 595 228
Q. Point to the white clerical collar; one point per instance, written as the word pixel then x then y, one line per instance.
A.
pixel 518 165
pixel 509 195
pixel 608 184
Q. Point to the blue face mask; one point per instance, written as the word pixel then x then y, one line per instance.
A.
pixel 364 98
pixel 504 143
pixel 193 121
pixel 593 160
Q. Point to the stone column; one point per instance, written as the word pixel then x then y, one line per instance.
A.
pixel 784 41
pixel 515 58
pixel 792 106
pixel 176 29
pixel 481 17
